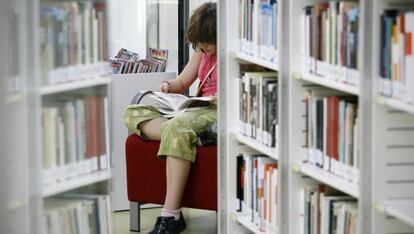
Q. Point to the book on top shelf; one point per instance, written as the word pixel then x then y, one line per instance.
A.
pixel 258 29
pixel 396 68
pixel 330 36
pixel 72 41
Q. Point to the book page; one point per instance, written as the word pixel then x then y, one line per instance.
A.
pixel 175 100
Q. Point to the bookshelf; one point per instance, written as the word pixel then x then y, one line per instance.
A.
pixel 377 175
pixel 237 134
pixel 72 87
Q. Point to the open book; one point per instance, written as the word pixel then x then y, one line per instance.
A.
pixel 170 104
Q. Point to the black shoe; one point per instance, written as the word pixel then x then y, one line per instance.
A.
pixel 168 225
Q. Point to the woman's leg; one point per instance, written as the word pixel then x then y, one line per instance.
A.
pixel 152 128
pixel 178 140
pixel 177 173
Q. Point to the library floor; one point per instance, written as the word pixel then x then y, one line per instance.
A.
pixel 198 221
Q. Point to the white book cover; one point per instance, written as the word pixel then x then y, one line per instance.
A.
pixel 95 37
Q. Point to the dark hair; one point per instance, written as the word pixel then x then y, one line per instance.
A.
pixel 202 25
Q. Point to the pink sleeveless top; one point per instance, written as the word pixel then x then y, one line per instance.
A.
pixel 210 86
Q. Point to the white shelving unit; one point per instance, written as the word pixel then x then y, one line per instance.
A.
pixel 271 152
pixel 396 104
pixel 76 168
pixel 385 137
pixel 346 88
pixel 252 59
pixel 327 178
pixel 231 141
pixel 245 222
pixel 71 86
pixel 400 209
pixel 392 138
pixel 76 182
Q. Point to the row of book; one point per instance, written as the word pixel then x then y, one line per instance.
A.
pixel 75 138
pixel 257 190
pixel 325 211
pixel 258 28
pixel 126 62
pixel 258 106
pixel 72 33
pixel 332 132
pixel 330 35
pixel 397 59
pixel 77 213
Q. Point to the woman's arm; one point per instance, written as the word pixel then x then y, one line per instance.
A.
pixel 186 78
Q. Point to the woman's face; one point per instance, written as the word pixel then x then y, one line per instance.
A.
pixel 207 49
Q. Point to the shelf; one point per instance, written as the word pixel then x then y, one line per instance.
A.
pixel 346 88
pixel 255 60
pixel 396 104
pixel 245 222
pixel 65 87
pixel 327 178
pixel 401 209
pixel 252 143
pixel 75 183
pixel 16 204
pixel 14 98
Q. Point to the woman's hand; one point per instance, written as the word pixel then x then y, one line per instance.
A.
pixel 214 100
pixel 165 87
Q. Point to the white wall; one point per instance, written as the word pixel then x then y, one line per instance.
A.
pixel 169 32
pixel 127 26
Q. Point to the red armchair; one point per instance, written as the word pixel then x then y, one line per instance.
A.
pixel 146 182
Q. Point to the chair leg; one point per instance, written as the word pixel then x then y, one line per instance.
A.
pixel 135 217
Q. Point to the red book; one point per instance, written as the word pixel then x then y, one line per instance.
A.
pixel 333 119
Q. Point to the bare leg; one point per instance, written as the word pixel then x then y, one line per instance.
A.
pixel 152 128
pixel 177 173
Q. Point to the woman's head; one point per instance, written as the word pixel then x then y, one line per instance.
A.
pixel 201 32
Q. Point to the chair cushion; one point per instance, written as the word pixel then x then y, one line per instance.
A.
pixel 146 180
